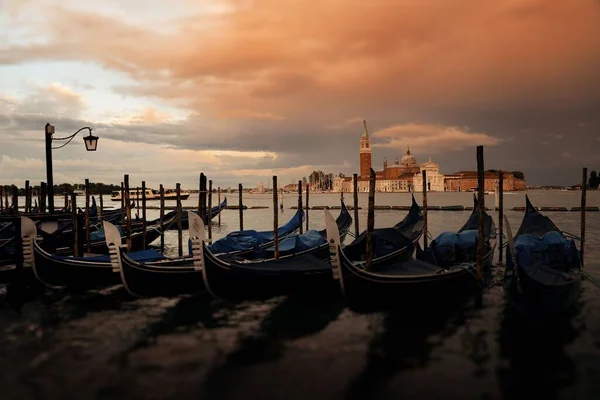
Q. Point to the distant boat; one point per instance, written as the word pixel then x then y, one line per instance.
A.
pixel 170 194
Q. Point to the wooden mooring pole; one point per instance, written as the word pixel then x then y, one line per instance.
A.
pixel 101 200
pixel 144 214
pixel 481 204
pixel 241 206
pixel 179 216
pixel 300 203
pixel 583 206
pixel 15 199
pixel 43 190
pixel 202 194
pixel 162 217
pixel 219 200
pixel 127 210
pixel 66 199
pixel 500 214
pixel 75 226
pixel 425 225
pixel 356 226
pixel 307 206
pixel 370 221
pixel 87 216
pixel 209 211
pixel 123 202
pixel 27 198
pixel 275 219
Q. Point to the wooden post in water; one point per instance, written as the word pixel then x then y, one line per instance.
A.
pixel 44 193
pixel 219 200
pixel 481 203
pixel 137 198
pixel 500 214
pixel 210 211
pixel 425 227
pixel 75 227
pixel 356 226
pixel 66 199
pixel 241 207
pixel 101 209
pixel 162 217
pixel 15 199
pixel 179 216
pixel 144 213
pixel 275 219
pixel 202 194
pixel 123 202
pixel 307 206
pixel 300 203
pixel 2 199
pixel 370 221
pixel 87 216
pixel 27 198
pixel 127 210
pixel 583 206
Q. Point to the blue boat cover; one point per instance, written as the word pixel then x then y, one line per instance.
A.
pixel 251 239
pixel 140 256
pixel 98 236
pixel 552 250
pixel 451 247
pixel 297 243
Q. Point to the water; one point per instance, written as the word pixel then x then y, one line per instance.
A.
pixel 107 345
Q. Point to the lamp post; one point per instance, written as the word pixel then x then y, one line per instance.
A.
pixel 91 144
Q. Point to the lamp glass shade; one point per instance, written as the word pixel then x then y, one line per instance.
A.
pixel 91 142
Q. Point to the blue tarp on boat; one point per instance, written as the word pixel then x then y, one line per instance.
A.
pixel 251 239
pixel 98 235
pixel 451 246
pixel 552 250
pixel 297 243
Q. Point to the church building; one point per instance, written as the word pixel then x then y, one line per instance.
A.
pixel 402 176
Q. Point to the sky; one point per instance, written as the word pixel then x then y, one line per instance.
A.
pixel 246 89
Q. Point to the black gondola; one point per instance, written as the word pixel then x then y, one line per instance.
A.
pixel 55 270
pixel 189 275
pixel 404 280
pixel 543 265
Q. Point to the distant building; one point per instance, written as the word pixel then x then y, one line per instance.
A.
pixel 467 181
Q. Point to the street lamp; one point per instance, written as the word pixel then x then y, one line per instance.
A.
pixel 91 144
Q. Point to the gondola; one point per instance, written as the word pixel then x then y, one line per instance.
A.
pixel 190 274
pixel 543 266
pixel 393 244
pixel 55 270
pixel 300 272
pixel 215 211
pixel 420 282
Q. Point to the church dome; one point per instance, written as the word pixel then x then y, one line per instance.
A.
pixel 408 159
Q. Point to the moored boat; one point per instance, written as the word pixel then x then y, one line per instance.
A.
pixel 543 268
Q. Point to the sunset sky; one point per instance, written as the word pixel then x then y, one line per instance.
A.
pixel 242 90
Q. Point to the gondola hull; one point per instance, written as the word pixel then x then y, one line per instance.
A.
pixel 538 298
pixel 61 271
pixel 306 273
pixel 171 279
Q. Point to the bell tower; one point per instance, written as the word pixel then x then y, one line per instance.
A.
pixel 365 152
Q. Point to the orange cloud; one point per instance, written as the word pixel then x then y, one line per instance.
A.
pixel 273 58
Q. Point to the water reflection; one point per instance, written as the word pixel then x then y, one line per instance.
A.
pixel 534 357
pixel 294 317
pixel 403 339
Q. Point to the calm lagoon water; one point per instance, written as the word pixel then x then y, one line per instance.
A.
pixel 105 344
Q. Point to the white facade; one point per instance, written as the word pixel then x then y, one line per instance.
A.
pixel 435 180
pixel 392 185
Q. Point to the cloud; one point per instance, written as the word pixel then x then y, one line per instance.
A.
pixel 432 139
pixel 54 99
pixel 264 76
